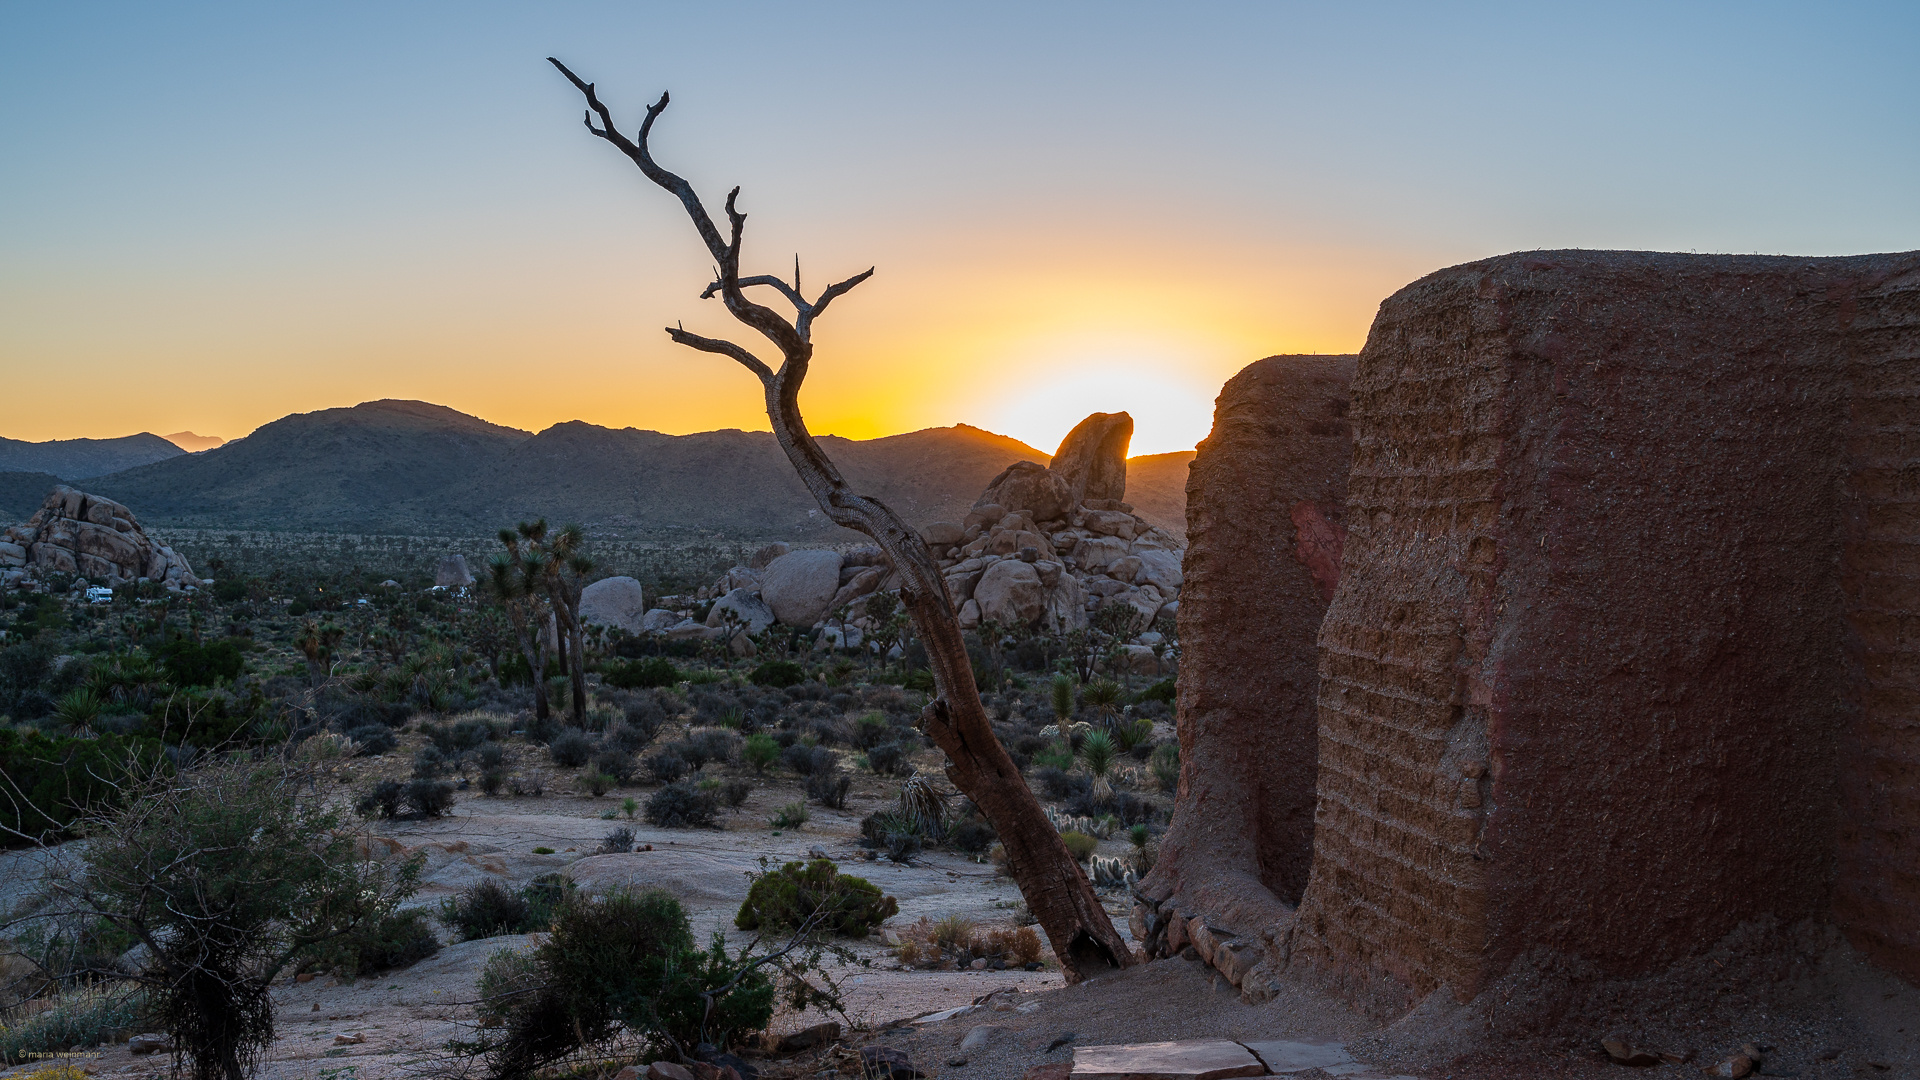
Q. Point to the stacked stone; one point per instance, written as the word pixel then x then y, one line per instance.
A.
pixel 77 533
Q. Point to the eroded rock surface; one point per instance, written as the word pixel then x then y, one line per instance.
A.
pixel 77 533
pixel 1236 855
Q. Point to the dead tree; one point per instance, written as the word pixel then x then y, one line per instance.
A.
pixel 1056 891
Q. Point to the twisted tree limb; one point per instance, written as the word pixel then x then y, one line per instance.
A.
pixel 1055 890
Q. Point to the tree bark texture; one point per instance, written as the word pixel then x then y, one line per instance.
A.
pixel 1056 891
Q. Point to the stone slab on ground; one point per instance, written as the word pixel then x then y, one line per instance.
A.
pixel 1196 1059
pixel 1281 1056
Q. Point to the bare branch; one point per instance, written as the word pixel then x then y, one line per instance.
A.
pixel 791 292
pixel 724 348
pixel 840 288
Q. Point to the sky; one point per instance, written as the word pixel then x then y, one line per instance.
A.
pixel 214 215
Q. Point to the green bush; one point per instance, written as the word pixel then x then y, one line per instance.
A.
pixel 490 909
pixel 646 674
pixel 626 960
pixel 760 751
pixel 815 894
pixel 791 816
pixel 1166 766
pixel 54 781
pixel 779 674
pixel 919 679
pixel 1079 845
pixel 681 805
pixel 86 1017
pixel 394 941
pixel 1164 690
pixel 188 664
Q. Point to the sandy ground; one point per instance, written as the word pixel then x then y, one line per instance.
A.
pixel 1867 1025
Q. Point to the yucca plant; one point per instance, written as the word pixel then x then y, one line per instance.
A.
pixel 1104 697
pixel 78 710
pixel 1062 693
pixel 1097 753
pixel 922 802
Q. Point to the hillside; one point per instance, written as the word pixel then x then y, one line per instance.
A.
pixel 78 459
pixel 1157 488
pixel 21 493
pixel 411 468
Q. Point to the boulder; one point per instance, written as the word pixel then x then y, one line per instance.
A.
pixel 1092 459
pixel 1031 487
pixel 453 573
pixel 863 582
pixel 1159 568
pixel 615 601
pixel 740 577
pixel 1010 594
pixel 659 620
pixel 941 535
pixel 762 558
pixel 799 585
pixel 1096 553
pixel 747 607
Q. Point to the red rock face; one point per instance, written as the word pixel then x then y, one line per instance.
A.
pixel 1616 660
pixel 1257 574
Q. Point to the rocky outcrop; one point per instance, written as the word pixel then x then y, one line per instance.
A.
pixel 1265 491
pixel 618 602
pixel 453 573
pixel 1617 665
pixel 77 533
pixel 1092 459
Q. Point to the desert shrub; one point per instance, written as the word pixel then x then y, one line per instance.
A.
pixel 760 751
pixel 871 729
pixel 493 781
pixel 1165 764
pixel 51 781
pixel 394 941
pixel 616 763
pixel 427 798
pixel 188 664
pixel 626 960
pixel 486 908
pixel 597 783
pixel 1131 733
pixel 681 805
pixel 814 895
pixel 88 1016
pixel 491 755
pixel 232 872
pixel 644 674
pixel 1059 785
pixel 428 762
pixel 829 788
pixel 778 673
pixel 372 740
pixel 971 834
pixel 628 737
pixel 894 833
pixel 806 760
pixel 1079 845
pixel 571 748
pixel 889 759
pixel 666 766
pixel 1097 751
pixel 734 791
pixel 791 816
pixel 379 799
pixel 957 941
pixel 1163 691
pixel 1123 806
pixel 710 746
pixel 617 842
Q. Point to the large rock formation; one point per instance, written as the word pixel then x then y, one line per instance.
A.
pixel 619 602
pixel 1615 696
pixel 77 533
pixel 1092 459
pixel 1264 524
pixel 1031 553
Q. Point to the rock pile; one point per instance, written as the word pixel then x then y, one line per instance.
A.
pixel 77 533
pixel 1043 547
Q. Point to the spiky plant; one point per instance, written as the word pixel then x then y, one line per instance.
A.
pixel 1097 753
pixel 1062 692
pixel 922 801
pixel 1105 697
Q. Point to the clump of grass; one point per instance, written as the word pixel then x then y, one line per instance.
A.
pixel 957 941
pixel 84 1017
pixel 791 816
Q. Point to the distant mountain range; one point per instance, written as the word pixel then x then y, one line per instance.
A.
pixel 414 468
pixel 79 459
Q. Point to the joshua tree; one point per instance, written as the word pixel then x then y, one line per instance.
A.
pixel 1055 890
pixel 547 562
pixel 516 581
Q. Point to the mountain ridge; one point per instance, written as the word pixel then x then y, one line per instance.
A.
pixel 82 459
pixel 405 467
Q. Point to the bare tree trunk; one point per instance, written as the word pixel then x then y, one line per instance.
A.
pixel 1056 891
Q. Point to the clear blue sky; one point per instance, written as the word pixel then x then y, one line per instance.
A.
pixel 211 215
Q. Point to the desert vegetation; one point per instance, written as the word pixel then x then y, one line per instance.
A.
pixel 330 703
